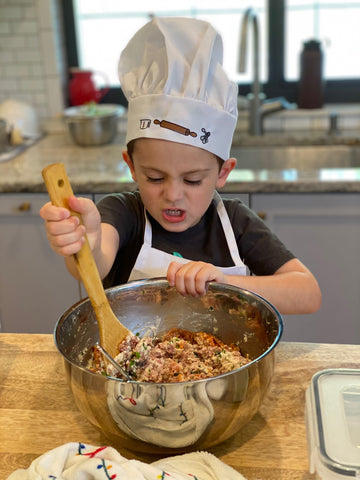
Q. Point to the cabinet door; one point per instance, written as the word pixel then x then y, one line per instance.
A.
pixel 323 231
pixel 35 287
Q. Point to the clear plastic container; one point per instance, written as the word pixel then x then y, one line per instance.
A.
pixel 333 424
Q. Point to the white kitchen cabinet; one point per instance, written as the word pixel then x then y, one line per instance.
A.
pixel 323 231
pixel 35 287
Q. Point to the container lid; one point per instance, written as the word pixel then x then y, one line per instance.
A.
pixel 312 45
pixel 333 402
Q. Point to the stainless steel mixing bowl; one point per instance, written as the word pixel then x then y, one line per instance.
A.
pixel 174 417
pixel 93 125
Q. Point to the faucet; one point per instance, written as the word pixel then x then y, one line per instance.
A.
pixel 255 116
pixel 257 108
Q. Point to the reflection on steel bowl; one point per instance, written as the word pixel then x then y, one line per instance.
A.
pixel 171 418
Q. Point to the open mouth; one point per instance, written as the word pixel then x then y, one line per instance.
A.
pixel 173 215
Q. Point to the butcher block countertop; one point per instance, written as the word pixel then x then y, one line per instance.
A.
pixel 37 412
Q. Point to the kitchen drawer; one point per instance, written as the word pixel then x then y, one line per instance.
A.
pixel 35 287
pixel 22 205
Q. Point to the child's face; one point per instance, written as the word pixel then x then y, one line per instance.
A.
pixel 176 181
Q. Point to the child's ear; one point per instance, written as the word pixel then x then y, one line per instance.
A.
pixel 129 163
pixel 226 168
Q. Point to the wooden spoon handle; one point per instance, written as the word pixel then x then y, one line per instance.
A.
pixel 59 189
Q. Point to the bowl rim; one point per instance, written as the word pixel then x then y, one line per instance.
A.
pixel 164 281
pixel 108 110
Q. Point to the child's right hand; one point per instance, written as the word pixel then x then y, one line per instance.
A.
pixel 65 234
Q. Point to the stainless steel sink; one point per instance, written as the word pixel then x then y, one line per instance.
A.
pixel 309 157
pixel 9 152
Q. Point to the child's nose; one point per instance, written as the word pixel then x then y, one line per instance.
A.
pixel 173 191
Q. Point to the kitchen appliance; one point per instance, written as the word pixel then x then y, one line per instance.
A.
pixel 333 424
pixel 172 417
pixel 92 125
pixel 19 128
pixel 82 87
pixel 20 116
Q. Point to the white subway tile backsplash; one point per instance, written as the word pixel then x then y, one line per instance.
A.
pixel 36 70
pixel 30 12
pixel 44 14
pixel 5 28
pixel 26 97
pixel 29 65
pixel 11 12
pixel 8 87
pixel 6 57
pixel 26 27
pixel 32 85
pixel 40 99
pixel 28 56
pixel 16 70
pixel 48 53
pixel 13 42
pixel 33 42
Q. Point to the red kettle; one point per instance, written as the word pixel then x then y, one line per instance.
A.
pixel 82 88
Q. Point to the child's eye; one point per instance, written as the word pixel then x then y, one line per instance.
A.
pixel 154 179
pixel 192 182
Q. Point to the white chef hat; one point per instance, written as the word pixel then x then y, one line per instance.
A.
pixel 171 73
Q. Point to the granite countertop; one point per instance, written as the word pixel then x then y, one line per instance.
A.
pixel 102 170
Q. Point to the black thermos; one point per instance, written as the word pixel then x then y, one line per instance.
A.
pixel 311 76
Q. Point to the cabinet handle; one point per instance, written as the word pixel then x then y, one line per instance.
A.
pixel 24 207
pixel 262 215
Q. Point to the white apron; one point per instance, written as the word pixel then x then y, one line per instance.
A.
pixel 152 262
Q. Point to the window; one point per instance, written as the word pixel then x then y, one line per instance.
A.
pixel 92 26
pixel 335 23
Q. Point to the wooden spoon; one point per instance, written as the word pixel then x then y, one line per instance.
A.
pixel 111 330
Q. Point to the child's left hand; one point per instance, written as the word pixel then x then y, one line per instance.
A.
pixel 192 278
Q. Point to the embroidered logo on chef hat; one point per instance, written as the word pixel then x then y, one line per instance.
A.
pixel 172 76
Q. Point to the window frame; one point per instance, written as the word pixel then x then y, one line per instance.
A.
pixel 335 91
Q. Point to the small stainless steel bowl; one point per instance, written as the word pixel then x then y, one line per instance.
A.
pixel 170 418
pixel 92 126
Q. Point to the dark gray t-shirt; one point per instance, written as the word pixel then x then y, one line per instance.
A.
pixel 260 249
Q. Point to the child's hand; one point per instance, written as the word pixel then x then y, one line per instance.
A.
pixel 64 232
pixel 192 278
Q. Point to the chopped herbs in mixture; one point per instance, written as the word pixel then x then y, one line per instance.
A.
pixel 178 356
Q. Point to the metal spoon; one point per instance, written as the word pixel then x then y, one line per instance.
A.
pixel 113 362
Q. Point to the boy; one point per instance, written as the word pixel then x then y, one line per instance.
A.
pixel 181 118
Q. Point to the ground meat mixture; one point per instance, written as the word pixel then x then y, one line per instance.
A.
pixel 178 356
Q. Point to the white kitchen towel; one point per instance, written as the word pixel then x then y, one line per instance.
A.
pixel 78 461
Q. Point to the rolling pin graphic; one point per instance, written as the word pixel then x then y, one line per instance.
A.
pixel 175 128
